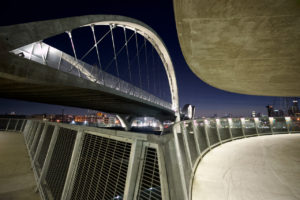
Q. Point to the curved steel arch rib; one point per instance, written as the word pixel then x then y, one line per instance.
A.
pixel 19 35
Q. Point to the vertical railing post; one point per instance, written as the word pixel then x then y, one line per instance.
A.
pixel 70 178
pixel 206 133
pixel 180 162
pixel 186 144
pixel 287 122
pixel 243 126
pixel 218 130
pixel 8 124
pixel 271 120
pixel 26 129
pixel 133 169
pixel 36 136
pixel 49 155
pixel 40 144
pixel 24 120
pixel 16 125
pixel 195 129
pixel 256 121
pixel 229 120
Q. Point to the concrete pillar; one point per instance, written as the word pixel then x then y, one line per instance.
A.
pixel 125 121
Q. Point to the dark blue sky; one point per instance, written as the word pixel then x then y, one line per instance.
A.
pixel 160 16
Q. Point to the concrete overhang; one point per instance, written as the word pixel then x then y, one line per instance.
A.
pixel 249 47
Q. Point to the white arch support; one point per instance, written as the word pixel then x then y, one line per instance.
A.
pixel 22 34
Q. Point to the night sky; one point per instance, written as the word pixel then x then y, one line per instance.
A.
pixel 160 16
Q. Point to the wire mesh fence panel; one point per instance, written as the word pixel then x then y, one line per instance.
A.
pixel 35 144
pixel 150 186
pixel 3 124
pixel 30 132
pixel 12 124
pixel 212 131
pixel 279 125
pixel 24 125
pixel 59 164
pixel 263 126
pixel 34 130
pixel 102 168
pixel 249 126
pixel 42 155
pixel 236 128
pixel 201 135
pixel 224 129
pixel 295 124
pixel 19 125
pixel 191 144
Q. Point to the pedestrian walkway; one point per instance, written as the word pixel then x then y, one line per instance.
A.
pixel 16 177
pixel 260 168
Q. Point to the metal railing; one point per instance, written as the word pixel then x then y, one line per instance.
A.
pixel 9 124
pixel 80 162
pixel 52 57
pixel 194 138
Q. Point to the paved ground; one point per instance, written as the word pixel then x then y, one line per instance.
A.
pixel 16 178
pixel 258 168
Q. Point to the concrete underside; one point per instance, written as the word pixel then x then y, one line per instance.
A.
pixel 260 168
pixel 16 177
pixel 27 80
pixel 249 47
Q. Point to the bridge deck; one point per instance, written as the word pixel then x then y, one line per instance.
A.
pixel 265 167
pixel 16 178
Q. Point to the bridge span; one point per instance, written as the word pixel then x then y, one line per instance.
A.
pixel 79 85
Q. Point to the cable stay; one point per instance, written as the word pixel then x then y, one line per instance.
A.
pixel 74 51
pixel 115 55
pixel 127 53
pixel 97 51
pixel 146 59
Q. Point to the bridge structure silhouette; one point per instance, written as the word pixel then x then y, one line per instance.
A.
pixel 120 68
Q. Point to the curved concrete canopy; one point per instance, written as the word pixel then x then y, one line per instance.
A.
pixel 248 47
pixel 265 167
pixel 15 36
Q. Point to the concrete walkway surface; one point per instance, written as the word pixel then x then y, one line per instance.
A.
pixel 256 168
pixel 16 177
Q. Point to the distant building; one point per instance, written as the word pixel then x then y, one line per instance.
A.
pixel 270 110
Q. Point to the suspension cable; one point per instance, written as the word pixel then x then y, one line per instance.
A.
pixel 127 53
pixel 98 56
pixel 114 47
pixel 112 60
pixel 153 67
pixel 138 58
pixel 94 45
pixel 146 57
pixel 73 47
